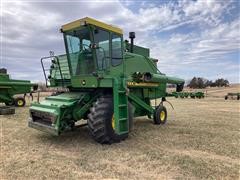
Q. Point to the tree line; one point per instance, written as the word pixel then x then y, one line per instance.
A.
pixel 199 82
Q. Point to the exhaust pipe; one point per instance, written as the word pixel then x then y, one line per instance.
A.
pixel 131 36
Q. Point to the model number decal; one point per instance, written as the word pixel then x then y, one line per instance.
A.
pixel 142 84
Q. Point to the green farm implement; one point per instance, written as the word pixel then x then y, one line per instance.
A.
pixel 232 96
pixel 10 87
pixel 198 95
pixel 108 80
pixel 193 95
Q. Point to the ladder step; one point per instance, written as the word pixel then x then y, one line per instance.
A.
pixel 121 92
pixel 123 132
pixel 123 119
pixel 122 105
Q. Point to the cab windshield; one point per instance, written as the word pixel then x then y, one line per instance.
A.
pixel 79 51
pixel 90 50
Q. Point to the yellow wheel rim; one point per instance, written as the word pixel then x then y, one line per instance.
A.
pixel 20 102
pixel 113 122
pixel 162 115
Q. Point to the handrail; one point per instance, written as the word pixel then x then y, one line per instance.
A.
pixel 44 70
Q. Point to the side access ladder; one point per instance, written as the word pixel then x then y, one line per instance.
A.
pixel 120 103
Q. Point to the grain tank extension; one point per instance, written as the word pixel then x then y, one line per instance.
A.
pixel 109 81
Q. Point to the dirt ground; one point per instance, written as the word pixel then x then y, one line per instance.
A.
pixel 199 141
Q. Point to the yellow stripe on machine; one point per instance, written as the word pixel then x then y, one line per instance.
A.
pixel 87 20
pixel 134 84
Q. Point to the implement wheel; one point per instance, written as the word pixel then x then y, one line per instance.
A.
pixel 101 121
pixel 20 102
pixel 160 115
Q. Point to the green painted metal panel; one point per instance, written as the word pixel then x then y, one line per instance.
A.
pixel 10 87
pixel 140 102
pixel 60 108
pixel 82 81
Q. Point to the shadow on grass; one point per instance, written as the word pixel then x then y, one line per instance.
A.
pixel 82 136
pixel 78 135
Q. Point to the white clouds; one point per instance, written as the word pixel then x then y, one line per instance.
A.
pixel 154 17
pixel 210 11
pixel 23 23
pixel 182 38
pixel 217 41
pixel 202 51
pixel 202 7
pixel 25 15
pixel 171 15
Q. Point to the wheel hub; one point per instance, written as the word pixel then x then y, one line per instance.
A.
pixel 162 116
pixel 113 122
pixel 20 102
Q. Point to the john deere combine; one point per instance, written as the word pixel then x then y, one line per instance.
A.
pixel 109 81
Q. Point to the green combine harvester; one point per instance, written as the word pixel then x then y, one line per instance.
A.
pixel 108 80
pixel 10 87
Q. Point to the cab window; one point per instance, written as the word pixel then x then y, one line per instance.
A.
pixel 101 38
pixel 79 52
pixel 116 50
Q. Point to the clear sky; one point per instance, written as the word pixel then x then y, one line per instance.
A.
pixel 190 38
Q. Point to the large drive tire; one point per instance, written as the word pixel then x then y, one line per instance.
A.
pixel 20 102
pixel 100 121
pixel 160 115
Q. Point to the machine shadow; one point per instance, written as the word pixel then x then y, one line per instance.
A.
pixel 78 135
pixel 82 136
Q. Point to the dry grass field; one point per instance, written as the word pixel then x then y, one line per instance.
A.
pixel 200 141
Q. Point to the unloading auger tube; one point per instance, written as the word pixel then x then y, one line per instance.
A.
pixel 160 78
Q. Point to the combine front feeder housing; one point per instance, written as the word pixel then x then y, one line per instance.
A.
pixel 109 81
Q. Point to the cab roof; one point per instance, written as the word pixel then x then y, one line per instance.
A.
pixel 87 20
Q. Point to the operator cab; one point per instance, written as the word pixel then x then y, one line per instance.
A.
pixel 92 46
